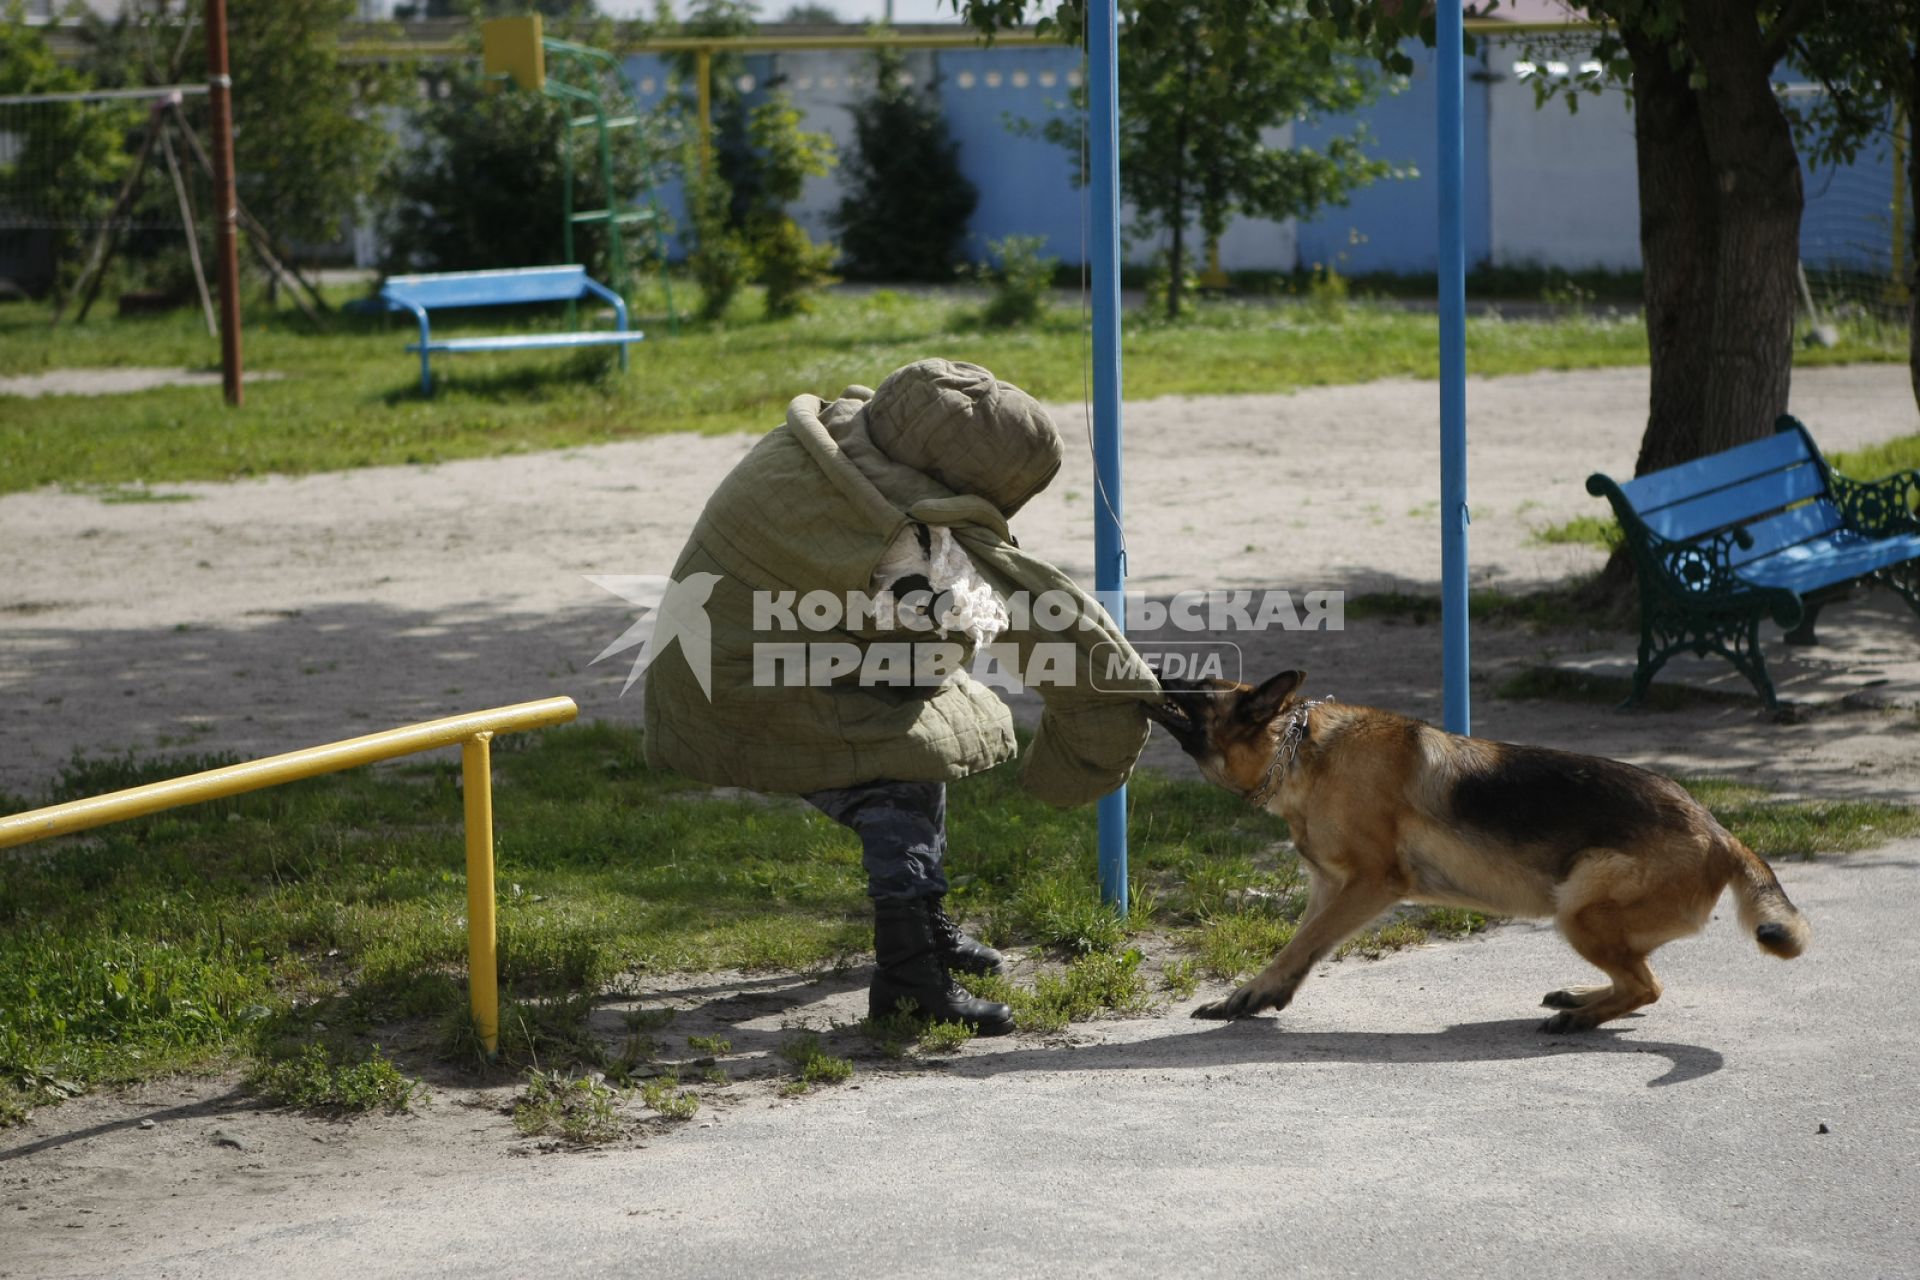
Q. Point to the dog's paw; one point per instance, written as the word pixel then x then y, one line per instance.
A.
pixel 1561 1000
pixel 1244 1003
pixel 1216 1011
pixel 1561 1023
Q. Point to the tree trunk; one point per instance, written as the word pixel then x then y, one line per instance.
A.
pixel 1679 243
pixel 1679 238
pixel 1756 173
pixel 1912 281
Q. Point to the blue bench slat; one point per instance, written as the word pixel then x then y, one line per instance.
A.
pixel 488 288
pixel 1715 471
pixel 1836 558
pixel 1737 503
pixel 531 341
pixel 1788 529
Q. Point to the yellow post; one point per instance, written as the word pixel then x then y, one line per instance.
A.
pixel 703 77
pixel 1214 278
pixel 511 47
pixel 483 965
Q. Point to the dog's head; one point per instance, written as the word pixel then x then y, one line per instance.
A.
pixel 1227 726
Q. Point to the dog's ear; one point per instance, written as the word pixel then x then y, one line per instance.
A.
pixel 1264 705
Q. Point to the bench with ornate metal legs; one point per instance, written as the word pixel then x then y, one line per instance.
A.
pixel 1763 530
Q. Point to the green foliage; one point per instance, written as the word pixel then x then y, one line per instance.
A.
pixel 484 185
pixel 309 144
pixel 66 167
pixel 1089 986
pixel 315 1080
pixel 1327 292
pixel 786 156
pixel 907 204
pixel 1602 533
pixel 579 1109
pixel 811 1064
pixel 1021 280
pixel 721 260
pixel 1200 82
pixel 664 1095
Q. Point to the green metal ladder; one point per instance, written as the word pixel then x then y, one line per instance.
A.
pixel 576 74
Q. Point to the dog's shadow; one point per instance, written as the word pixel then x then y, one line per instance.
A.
pixel 1264 1041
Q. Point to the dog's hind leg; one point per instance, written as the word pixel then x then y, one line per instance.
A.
pixel 1599 934
pixel 1341 913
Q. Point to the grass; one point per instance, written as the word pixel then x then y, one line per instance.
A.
pixel 314 1080
pixel 577 1109
pixel 348 393
pixel 295 928
pixel 1870 463
pixel 811 1064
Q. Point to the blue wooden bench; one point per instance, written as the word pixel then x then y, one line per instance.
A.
pixel 1762 530
pixel 424 293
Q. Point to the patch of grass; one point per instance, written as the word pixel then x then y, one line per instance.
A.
pixel 314 1080
pixel 349 397
pixel 1877 460
pixel 577 1109
pixel 664 1095
pixel 1180 979
pixel 1602 533
pixel 1090 985
pixel 1775 828
pixel 712 1046
pixel 811 1064
pixel 1410 927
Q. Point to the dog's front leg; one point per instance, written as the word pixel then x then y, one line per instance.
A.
pixel 1342 914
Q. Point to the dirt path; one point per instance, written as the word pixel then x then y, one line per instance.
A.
pixel 269 614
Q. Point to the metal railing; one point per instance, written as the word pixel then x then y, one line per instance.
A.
pixel 473 732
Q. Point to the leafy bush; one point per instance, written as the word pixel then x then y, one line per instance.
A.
pixel 790 263
pixel 721 260
pixel 314 1080
pixel 1021 281
pixel 484 186
pixel 907 203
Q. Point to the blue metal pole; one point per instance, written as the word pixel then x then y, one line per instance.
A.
pixel 1109 556
pixel 1451 108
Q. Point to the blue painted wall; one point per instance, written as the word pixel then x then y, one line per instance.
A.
pixel 1026 184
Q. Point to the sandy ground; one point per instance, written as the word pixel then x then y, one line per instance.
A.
pixel 270 614
pixel 1402 1114
pixel 116 382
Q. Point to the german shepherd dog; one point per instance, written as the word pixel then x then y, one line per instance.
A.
pixel 1384 809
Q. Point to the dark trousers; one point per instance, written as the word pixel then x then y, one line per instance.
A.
pixel 903 833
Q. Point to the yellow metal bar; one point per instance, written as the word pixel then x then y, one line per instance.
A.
pixel 775 44
pixel 483 965
pixel 234 779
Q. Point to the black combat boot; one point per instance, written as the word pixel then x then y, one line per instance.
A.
pixel 957 950
pixel 909 968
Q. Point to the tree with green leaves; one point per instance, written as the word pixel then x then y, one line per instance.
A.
pixel 790 263
pixel 907 204
pixel 68 159
pixel 1719 182
pixel 309 143
pixel 1200 82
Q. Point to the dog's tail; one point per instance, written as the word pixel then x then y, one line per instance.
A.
pixel 1765 911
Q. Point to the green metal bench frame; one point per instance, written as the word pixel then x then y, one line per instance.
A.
pixel 1762 530
pixel 420 294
